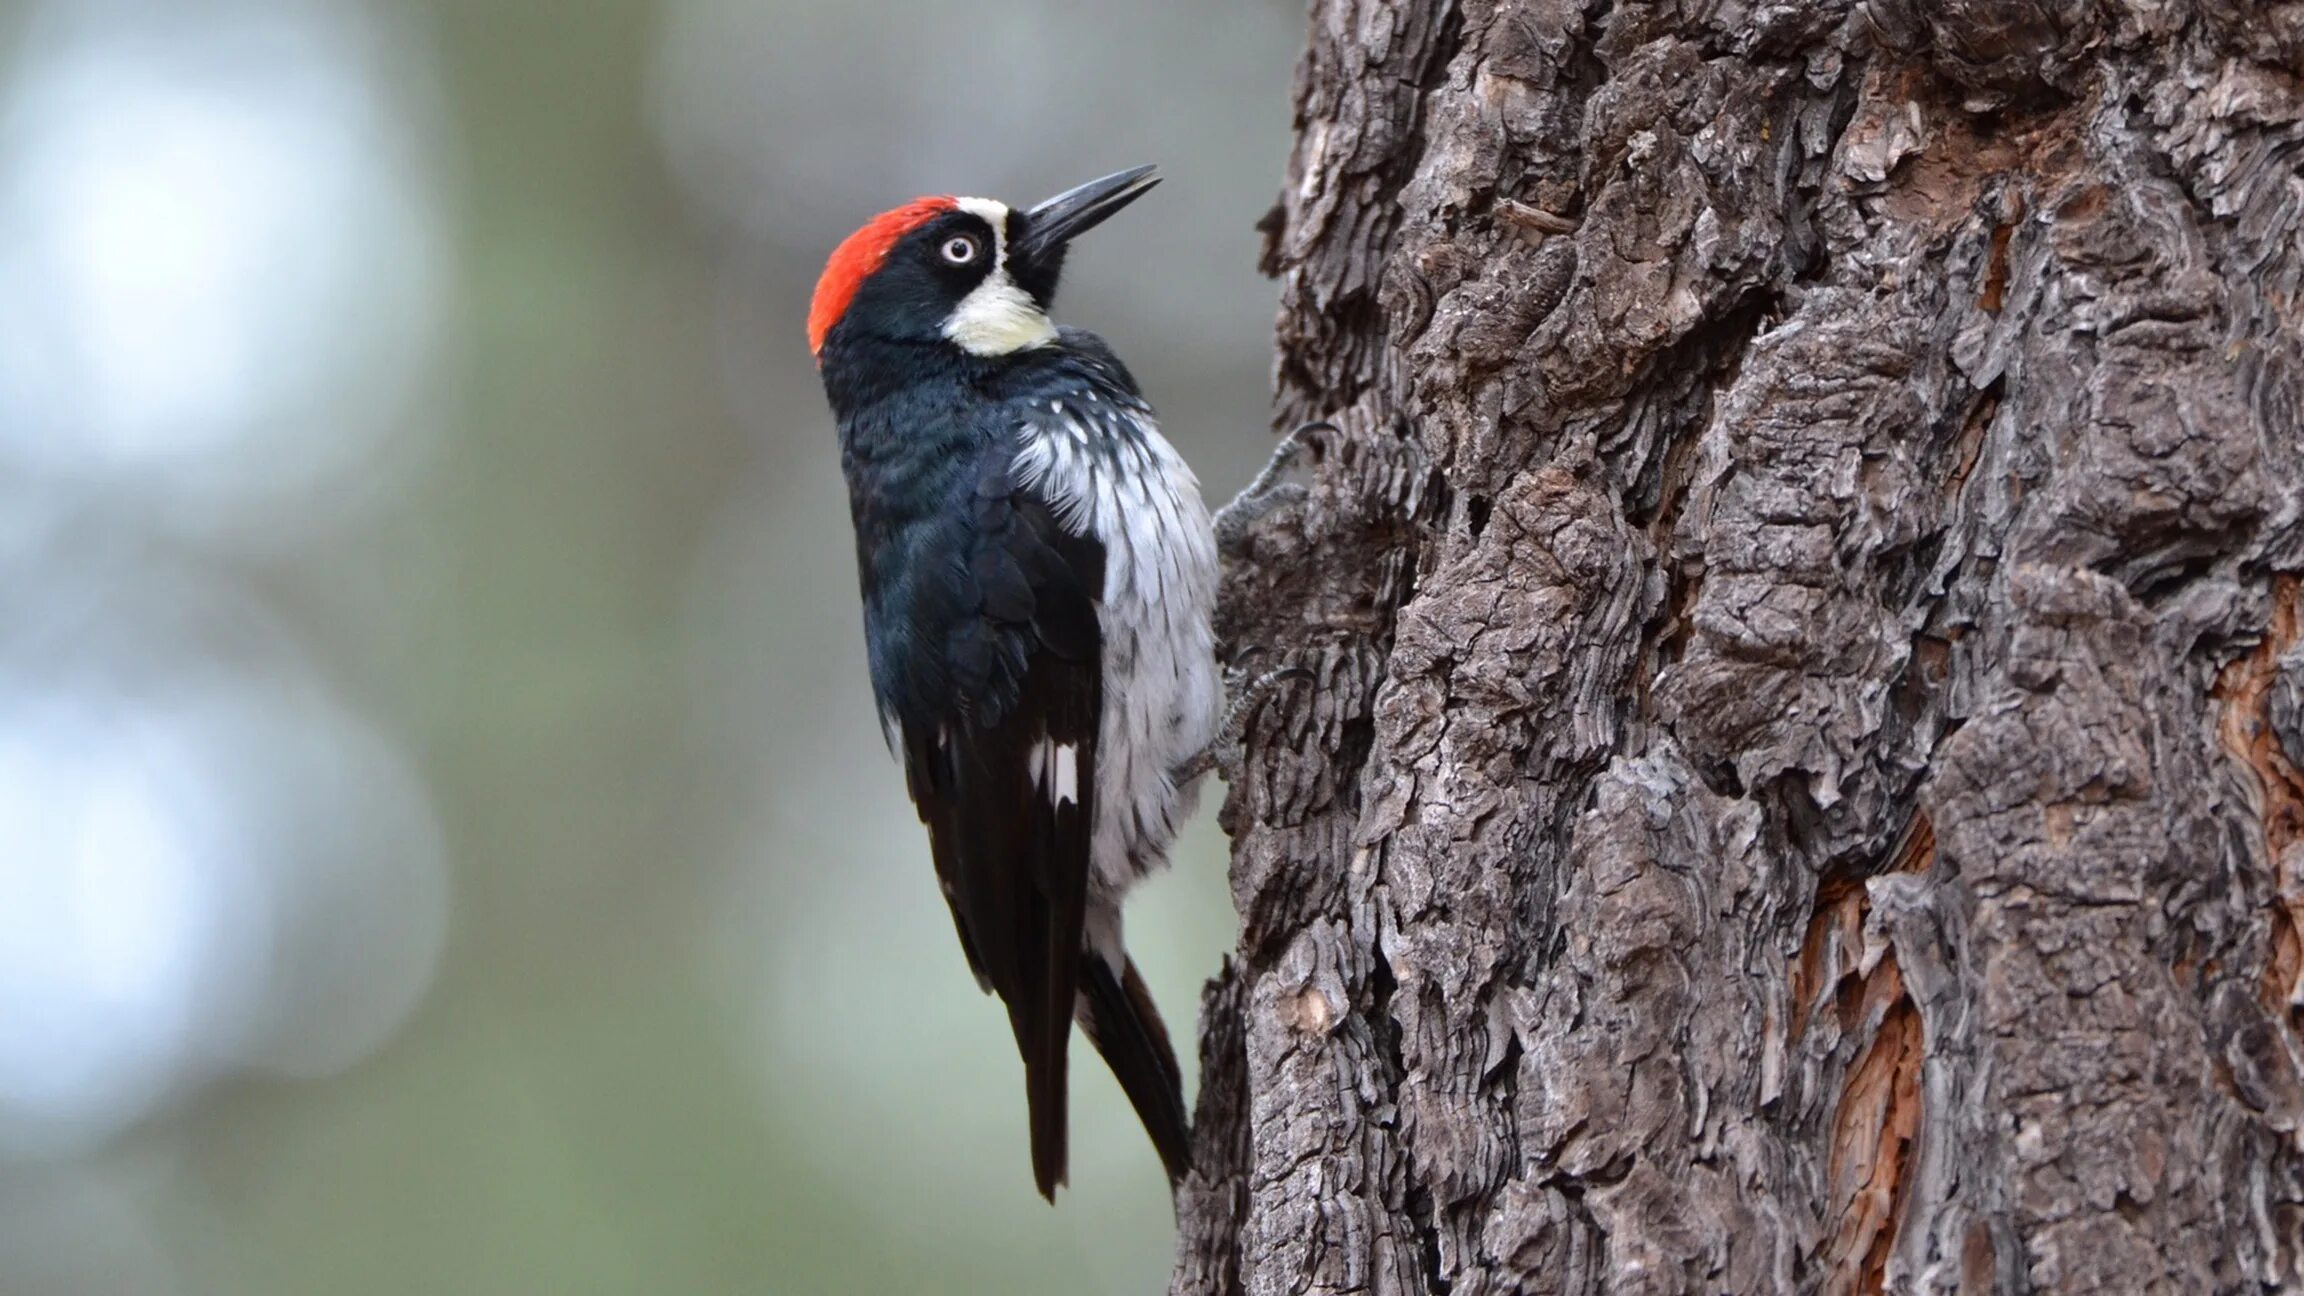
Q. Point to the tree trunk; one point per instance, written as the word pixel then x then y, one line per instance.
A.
pixel 1798 790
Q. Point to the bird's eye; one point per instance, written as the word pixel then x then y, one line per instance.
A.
pixel 960 249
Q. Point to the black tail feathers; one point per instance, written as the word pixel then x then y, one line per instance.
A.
pixel 1117 1013
pixel 1044 1099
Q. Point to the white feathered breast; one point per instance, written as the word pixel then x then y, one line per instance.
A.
pixel 1102 464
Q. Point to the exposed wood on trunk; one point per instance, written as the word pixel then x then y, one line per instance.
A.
pixel 1800 786
pixel 2254 737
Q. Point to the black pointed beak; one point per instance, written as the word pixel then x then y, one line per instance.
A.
pixel 1056 222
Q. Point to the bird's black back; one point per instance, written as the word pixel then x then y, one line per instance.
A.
pixel 980 612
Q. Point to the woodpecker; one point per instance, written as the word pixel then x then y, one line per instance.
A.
pixel 1038 571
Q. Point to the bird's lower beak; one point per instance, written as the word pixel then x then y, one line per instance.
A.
pixel 1060 219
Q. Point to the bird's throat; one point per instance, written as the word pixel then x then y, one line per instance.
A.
pixel 998 318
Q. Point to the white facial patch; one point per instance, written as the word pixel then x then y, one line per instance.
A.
pixel 997 317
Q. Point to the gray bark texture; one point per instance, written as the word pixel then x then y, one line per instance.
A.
pixel 1797 786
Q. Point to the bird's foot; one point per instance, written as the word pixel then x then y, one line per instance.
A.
pixel 1223 752
pixel 1267 491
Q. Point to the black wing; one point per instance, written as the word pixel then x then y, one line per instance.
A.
pixel 1004 774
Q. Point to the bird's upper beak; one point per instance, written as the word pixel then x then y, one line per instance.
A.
pixel 1057 221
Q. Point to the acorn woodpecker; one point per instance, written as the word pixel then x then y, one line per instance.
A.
pixel 1038 571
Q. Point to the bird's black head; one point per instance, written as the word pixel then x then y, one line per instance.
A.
pixel 969 273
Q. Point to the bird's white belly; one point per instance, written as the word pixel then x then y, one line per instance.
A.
pixel 1161 695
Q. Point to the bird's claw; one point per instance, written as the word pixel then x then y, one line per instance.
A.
pixel 1266 492
pixel 1223 752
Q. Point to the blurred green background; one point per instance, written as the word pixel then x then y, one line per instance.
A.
pixel 445 842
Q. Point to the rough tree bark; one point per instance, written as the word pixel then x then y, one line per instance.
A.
pixel 1801 788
